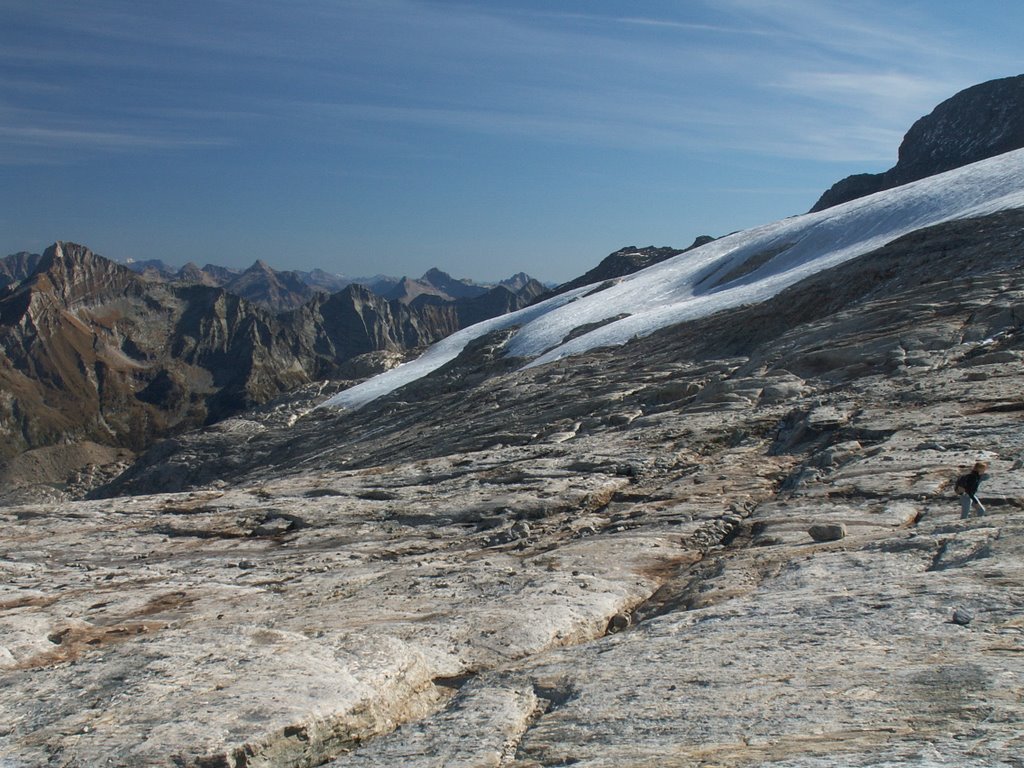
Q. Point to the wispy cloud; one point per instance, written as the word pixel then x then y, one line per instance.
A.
pixel 798 77
pixel 839 27
pixel 107 140
pixel 809 80
pixel 613 20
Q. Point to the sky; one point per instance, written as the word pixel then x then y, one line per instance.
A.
pixel 372 137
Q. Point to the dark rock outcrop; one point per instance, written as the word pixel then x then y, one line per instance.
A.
pixel 500 300
pixel 977 123
pixel 329 330
pixel 626 261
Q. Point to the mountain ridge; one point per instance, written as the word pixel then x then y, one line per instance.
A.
pixel 283 291
pixel 977 123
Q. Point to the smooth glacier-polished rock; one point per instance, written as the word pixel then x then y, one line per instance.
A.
pixel 528 572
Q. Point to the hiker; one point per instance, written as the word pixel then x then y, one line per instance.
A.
pixel 967 487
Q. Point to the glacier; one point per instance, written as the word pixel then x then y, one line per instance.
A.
pixel 746 267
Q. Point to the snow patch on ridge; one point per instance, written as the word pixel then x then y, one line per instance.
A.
pixel 689 286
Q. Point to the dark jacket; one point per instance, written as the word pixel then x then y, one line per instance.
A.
pixel 969 482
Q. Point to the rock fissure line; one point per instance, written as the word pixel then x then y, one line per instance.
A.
pixel 718 532
pixel 549 699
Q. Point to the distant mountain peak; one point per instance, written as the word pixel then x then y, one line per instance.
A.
pixel 434 273
pixel 451 287
pixel 68 274
pixel 63 252
pixel 261 266
pixel 72 263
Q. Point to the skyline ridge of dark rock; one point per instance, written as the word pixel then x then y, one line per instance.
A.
pixel 979 122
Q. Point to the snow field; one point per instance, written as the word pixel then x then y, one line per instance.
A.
pixel 744 268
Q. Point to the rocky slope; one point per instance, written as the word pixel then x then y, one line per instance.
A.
pixel 93 353
pixel 956 253
pixel 730 543
pixel 276 290
pixel 16 267
pixel 982 121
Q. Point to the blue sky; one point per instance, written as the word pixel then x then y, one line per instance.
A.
pixel 389 136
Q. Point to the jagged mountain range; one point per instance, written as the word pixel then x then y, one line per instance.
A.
pixel 90 350
pixel 281 290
